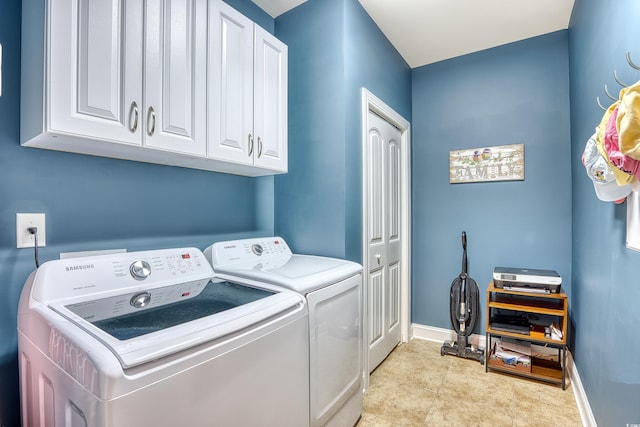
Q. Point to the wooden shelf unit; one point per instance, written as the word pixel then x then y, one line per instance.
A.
pixel 525 303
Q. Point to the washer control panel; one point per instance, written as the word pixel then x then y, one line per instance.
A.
pixel 114 273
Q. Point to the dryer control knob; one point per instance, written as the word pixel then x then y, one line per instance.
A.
pixel 140 300
pixel 257 249
pixel 140 270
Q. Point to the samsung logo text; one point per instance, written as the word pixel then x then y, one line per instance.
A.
pixel 79 267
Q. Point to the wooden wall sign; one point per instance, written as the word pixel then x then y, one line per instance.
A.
pixel 501 163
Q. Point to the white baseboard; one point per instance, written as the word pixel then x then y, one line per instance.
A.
pixel 432 333
pixel 581 397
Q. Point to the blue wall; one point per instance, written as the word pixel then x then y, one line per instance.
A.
pixel 606 285
pixel 373 63
pixel 334 50
pixel 513 94
pixel 518 93
pixel 310 212
pixel 99 203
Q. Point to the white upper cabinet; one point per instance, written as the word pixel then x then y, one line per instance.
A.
pixel 107 81
pixel 164 81
pixel 230 84
pixel 175 75
pixel 93 69
pixel 247 91
pixel 270 100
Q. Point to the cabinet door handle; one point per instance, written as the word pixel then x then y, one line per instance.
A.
pixel 151 119
pixel 250 145
pixel 133 111
pixel 259 147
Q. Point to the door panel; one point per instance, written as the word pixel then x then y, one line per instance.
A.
pixel 376 287
pixel 384 238
pixel 175 76
pixel 270 91
pixel 392 318
pixel 393 206
pixel 230 84
pixel 394 189
pixel 95 77
pixel 100 54
pixel 177 65
pixel 375 237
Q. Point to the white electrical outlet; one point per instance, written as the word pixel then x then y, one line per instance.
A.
pixel 23 222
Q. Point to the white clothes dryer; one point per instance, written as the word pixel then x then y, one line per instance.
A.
pixel 333 289
pixel 154 339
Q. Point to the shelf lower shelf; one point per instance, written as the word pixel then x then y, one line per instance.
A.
pixel 541 369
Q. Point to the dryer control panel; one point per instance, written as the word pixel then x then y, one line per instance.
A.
pixel 248 250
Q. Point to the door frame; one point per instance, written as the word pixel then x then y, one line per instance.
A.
pixel 372 103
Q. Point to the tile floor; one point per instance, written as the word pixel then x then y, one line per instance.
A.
pixel 416 386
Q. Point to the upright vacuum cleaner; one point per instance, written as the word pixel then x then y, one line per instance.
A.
pixel 464 310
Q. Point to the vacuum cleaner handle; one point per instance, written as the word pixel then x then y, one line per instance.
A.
pixel 464 252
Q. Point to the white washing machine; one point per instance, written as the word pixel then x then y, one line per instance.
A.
pixel 333 288
pixel 154 339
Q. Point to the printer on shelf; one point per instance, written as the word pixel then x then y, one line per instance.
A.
pixel 527 280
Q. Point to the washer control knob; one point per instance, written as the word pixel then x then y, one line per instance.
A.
pixel 140 270
pixel 257 249
pixel 141 299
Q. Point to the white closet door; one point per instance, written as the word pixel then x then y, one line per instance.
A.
pixel 175 76
pixel 230 84
pixel 95 79
pixel 384 275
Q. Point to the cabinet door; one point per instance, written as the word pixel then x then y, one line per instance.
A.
pixel 174 117
pixel 230 84
pixel 94 80
pixel 270 101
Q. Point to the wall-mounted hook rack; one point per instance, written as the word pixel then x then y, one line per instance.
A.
pixel 634 66
pixel 617 79
pixel 606 90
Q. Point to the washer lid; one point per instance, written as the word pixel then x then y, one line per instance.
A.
pixel 146 305
pixel 184 316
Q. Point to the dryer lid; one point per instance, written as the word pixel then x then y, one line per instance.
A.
pixel 270 260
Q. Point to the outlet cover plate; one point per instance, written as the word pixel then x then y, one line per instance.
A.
pixel 25 239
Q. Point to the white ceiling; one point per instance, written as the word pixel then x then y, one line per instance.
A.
pixel 427 31
pixel 276 8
